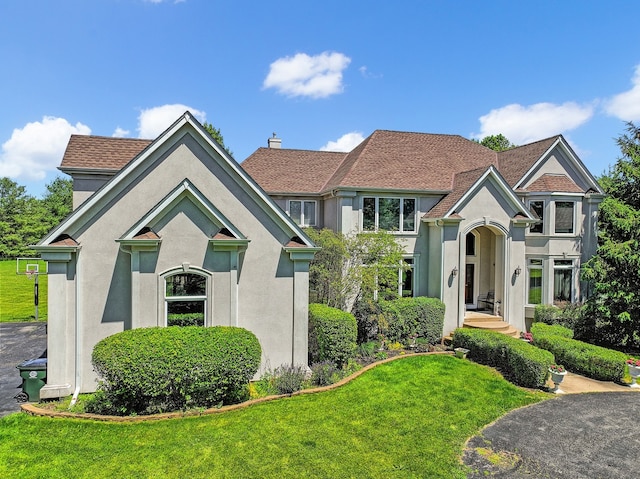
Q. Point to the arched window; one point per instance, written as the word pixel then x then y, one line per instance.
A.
pixel 185 299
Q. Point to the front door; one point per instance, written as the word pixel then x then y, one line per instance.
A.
pixel 469 286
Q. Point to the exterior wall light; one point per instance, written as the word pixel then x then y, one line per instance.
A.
pixel 454 271
pixel 518 271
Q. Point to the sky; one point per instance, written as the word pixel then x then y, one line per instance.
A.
pixel 318 74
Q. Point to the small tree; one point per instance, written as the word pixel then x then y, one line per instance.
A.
pixel 216 135
pixel 354 266
pixel 497 142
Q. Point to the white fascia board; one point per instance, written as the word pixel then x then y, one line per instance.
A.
pixel 506 189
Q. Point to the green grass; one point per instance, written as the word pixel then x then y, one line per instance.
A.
pixel 16 294
pixel 403 419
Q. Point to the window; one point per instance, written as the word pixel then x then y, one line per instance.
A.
pixel 406 279
pixel 185 298
pixel 537 207
pixel 535 281
pixel 403 286
pixel 303 212
pixel 564 216
pixel 389 214
pixel 470 248
pixel 562 281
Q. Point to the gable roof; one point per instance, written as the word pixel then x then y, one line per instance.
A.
pixel 550 182
pixel 79 216
pixel 465 186
pixel 516 162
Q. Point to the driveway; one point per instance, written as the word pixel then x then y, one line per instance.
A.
pixel 18 342
pixel 576 436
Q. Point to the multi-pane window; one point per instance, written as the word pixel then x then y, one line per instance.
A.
pixel 537 207
pixel 389 214
pixel 535 281
pixel 185 298
pixel 562 281
pixel 303 212
pixel 564 216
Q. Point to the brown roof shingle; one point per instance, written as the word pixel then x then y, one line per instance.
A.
pixel 554 182
pixel 101 152
pixel 516 162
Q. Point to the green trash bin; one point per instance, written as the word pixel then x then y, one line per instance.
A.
pixel 34 376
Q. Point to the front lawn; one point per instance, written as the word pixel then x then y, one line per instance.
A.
pixel 406 418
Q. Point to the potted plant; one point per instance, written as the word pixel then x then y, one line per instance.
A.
pixel 633 365
pixel 558 372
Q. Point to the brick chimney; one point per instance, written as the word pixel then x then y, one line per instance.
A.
pixel 274 142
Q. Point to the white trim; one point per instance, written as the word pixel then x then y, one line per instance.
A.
pixel 204 298
pixel 401 199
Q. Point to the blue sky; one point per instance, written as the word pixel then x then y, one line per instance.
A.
pixel 321 74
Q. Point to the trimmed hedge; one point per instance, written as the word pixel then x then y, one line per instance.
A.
pixel 153 370
pixel 518 361
pixel 421 316
pixel 579 357
pixel 332 335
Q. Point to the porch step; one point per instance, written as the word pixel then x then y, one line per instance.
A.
pixel 489 322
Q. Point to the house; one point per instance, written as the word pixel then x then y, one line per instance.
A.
pixel 481 230
pixel 169 231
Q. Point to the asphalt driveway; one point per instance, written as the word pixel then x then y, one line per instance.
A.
pixel 577 436
pixel 18 342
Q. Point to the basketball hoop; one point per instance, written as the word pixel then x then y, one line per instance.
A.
pixel 31 274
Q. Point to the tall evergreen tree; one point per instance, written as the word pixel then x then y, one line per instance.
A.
pixel 612 313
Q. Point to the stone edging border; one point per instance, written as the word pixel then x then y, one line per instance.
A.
pixel 36 411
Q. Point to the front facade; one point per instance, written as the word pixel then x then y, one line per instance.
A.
pixel 481 230
pixel 167 232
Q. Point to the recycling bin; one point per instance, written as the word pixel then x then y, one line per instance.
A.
pixel 34 376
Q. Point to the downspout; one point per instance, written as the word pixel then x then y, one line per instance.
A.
pixel 74 399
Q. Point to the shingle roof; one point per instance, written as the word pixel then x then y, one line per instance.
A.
pixel 516 162
pixel 294 171
pixel 101 152
pixel 462 183
pixel 385 160
pixel 554 182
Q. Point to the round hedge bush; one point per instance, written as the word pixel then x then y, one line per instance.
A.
pixel 152 370
pixel 332 334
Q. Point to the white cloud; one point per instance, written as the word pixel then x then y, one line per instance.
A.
pixel 524 124
pixel 345 143
pixel 120 133
pixel 626 105
pixel 154 121
pixel 319 76
pixel 37 148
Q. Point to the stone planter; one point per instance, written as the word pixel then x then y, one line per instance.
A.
pixel 634 372
pixel 557 379
pixel 461 352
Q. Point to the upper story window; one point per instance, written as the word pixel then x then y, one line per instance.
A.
pixel 303 212
pixel 537 207
pixel 564 216
pixel 185 299
pixel 389 214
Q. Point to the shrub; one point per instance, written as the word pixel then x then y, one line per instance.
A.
pixel 519 361
pixel 555 330
pixel 289 378
pixel 332 335
pixel 324 373
pixel 568 315
pixel 400 318
pixel 185 319
pixel 583 358
pixel 152 370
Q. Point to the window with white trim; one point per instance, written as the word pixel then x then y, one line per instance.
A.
pixel 303 212
pixel 564 216
pixel 389 214
pixel 185 298
pixel 537 207
pixel 562 281
pixel 534 295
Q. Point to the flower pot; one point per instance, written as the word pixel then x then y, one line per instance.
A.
pixel 461 352
pixel 634 372
pixel 557 379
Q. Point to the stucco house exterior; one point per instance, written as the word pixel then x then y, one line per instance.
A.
pixel 162 230
pixel 481 229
